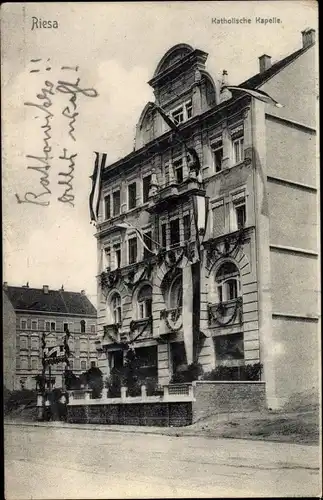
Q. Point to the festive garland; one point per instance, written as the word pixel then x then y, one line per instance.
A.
pixel 170 320
pixel 220 310
pixel 146 273
pixel 169 258
pixel 215 252
pixel 110 279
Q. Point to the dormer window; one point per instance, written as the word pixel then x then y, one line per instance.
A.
pixel 182 113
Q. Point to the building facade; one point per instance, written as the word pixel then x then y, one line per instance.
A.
pixel 214 258
pixel 9 343
pixel 39 311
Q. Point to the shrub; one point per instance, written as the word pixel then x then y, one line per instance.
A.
pixel 247 373
pixel 21 397
pixel 94 381
pixel 193 372
pixel 113 384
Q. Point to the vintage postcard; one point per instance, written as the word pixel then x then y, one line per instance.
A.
pixel 161 289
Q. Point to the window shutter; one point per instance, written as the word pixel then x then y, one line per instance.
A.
pixel 218 220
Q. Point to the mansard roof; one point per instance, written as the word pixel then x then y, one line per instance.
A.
pixel 55 301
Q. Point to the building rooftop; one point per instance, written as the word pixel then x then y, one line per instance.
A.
pixel 260 78
pixel 46 300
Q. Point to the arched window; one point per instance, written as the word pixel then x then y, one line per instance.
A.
pixel 144 300
pixel 82 326
pixel 227 282
pixel 116 308
pixel 175 298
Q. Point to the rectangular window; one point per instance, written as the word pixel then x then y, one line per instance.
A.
pixel 65 327
pixel 92 328
pixel 52 326
pixel 229 347
pixel 240 213
pixel 117 256
pixel 116 202
pixel 164 235
pixel 146 187
pixel 34 343
pixel 148 243
pixel 132 250
pixel 174 232
pixel 23 324
pixel 238 152
pixel 47 326
pixel 132 195
pixel 217 156
pixel 218 220
pixel 107 257
pixel 34 325
pixel 23 343
pixel 71 364
pixel 34 364
pixel 178 170
pixel 107 207
pixel 83 365
pixel 187 227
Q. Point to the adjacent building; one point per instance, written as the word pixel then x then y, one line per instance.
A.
pixel 214 259
pixel 32 311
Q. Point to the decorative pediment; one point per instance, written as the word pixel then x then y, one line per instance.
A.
pixel 223 247
pixel 109 279
pixel 136 276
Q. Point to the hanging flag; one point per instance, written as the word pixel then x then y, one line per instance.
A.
pixel 187 312
pixel 257 94
pixel 94 201
pixel 126 225
pixel 201 209
pixel 164 115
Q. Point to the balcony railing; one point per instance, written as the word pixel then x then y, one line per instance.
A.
pixel 168 393
pixel 224 313
pixel 173 318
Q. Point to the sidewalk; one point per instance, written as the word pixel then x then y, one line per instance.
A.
pixel 166 431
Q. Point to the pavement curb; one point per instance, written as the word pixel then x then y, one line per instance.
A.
pixel 105 429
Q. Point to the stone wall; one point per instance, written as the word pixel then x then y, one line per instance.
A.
pixel 227 397
pixel 146 414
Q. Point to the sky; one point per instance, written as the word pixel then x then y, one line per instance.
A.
pixel 114 49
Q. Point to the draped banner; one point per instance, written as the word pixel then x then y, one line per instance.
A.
pixel 201 210
pixel 94 201
pixel 257 94
pixel 187 312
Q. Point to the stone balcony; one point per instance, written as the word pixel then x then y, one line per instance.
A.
pixel 224 313
pixel 174 193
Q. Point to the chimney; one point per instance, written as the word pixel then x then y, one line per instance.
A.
pixel 308 37
pixel 264 63
pixel 45 289
pixel 225 94
pixel 26 285
pixel 224 78
pixel 5 285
